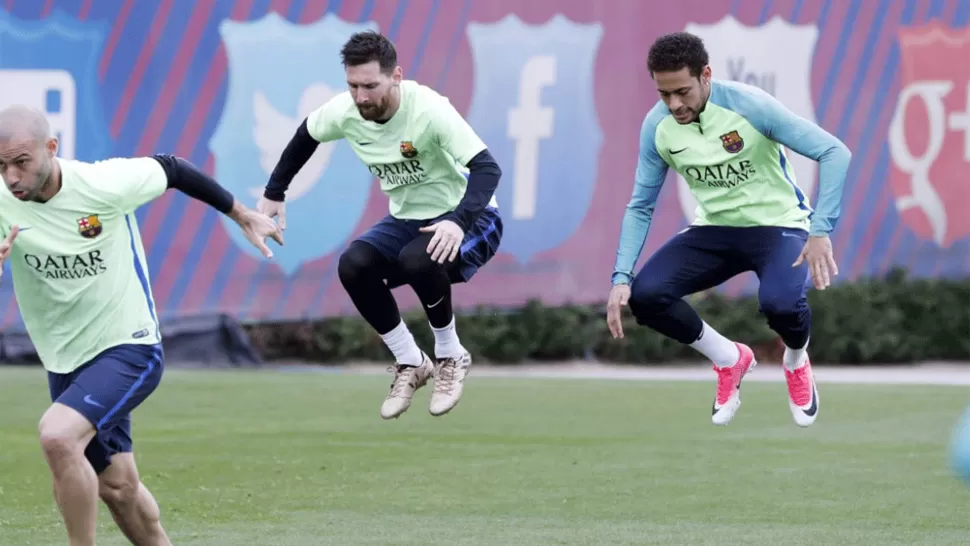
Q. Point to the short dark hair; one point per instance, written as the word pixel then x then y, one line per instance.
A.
pixel 368 46
pixel 673 52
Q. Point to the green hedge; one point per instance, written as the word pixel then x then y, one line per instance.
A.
pixel 891 319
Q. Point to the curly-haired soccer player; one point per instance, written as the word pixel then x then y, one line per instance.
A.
pixel 728 140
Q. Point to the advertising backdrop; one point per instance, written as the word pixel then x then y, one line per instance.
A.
pixel 557 89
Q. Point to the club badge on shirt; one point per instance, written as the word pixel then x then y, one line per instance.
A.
pixel 408 150
pixel 732 142
pixel 89 226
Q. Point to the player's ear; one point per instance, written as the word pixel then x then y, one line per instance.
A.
pixel 397 75
pixel 706 75
pixel 51 146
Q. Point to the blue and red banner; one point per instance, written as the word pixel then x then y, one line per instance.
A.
pixel 557 89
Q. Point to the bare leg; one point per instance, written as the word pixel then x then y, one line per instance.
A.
pixel 133 507
pixel 64 434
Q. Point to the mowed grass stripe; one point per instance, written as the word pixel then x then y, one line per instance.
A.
pixel 240 457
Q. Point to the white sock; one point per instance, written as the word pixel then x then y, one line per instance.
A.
pixel 719 349
pixel 795 358
pixel 446 344
pixel 402 345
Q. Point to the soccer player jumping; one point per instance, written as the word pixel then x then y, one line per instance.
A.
pixel 81 282
pixel 726 139
pixel 443 224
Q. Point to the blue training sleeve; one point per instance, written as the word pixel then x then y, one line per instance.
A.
pixel 650 175
pixel 775 121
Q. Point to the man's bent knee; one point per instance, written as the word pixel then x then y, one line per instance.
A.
pixel 647 296
pixel 119 494
pixel 415 261
pixel 64 431
pixel 790 319
pixel 356 261
pixel 118 485
pixel 780 306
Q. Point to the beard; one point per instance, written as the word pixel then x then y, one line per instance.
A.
pixel 41 183
pixel 372 111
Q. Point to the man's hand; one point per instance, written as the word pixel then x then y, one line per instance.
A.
pixel 257 227
pixel 273 209
pixel 818 253
pixel 6 246
pixel 446 241
pixel 619 297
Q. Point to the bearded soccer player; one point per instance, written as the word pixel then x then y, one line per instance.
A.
pixel 727 140
pixel 81 282
pixel 443 224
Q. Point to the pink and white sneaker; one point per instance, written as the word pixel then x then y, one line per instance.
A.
pixel 728 398
pixel 802 394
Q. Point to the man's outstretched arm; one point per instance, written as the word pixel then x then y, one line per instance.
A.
pixel 185 177
pixel 322 125
pixel 298 151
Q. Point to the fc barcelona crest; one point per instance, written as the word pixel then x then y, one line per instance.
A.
pixel 89 226
pixel 732 142
pixel 408 150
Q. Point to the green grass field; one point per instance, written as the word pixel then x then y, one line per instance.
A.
pixel 266 458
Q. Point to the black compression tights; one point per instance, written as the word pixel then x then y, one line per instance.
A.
pixel 363 271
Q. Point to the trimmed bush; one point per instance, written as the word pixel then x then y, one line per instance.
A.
pixel 887 320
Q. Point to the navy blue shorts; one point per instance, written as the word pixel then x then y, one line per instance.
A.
pixel 703 257
pixel 105 390
pixel 391 235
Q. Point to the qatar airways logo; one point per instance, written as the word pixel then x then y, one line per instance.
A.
pixel 725 175
pixel 67 267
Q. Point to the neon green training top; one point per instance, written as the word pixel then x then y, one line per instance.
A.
pixel 734 162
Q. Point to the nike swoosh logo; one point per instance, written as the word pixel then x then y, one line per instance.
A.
pixel 436 303
pixel 714 406
pixel 92 401
pixel 813 409
pixel 786 234
pixel 675 152
pixel 364 143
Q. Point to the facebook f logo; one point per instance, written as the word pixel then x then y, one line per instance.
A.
pixel 539 121
pixel 530 122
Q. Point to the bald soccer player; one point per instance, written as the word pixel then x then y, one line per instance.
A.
pixel 81 281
